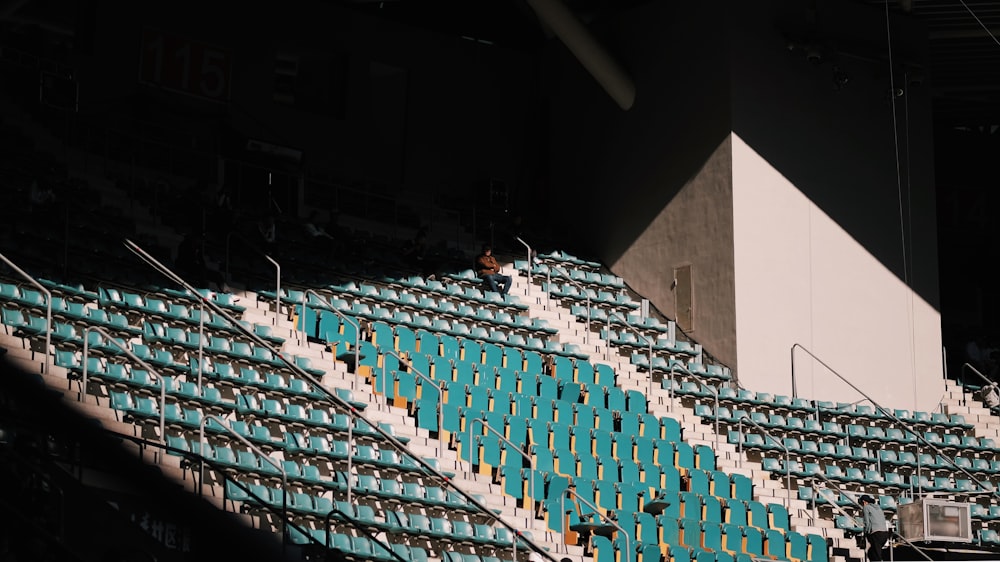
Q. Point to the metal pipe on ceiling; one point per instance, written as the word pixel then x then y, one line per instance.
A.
pixel 591 54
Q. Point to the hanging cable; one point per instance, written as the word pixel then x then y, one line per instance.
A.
pixel 905 240
pixel 981 24
pixel 906 166
pixel 909 226
pixel 895 140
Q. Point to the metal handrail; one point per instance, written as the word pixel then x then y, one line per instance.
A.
pixel 255 449
pixel 788 468
pixel 277 290
pixel 350 458
pixel 674 367
pixel 325 304
pixel 795 393
pixel 563 274
pixel 911 545
pixel 832 501
pixel 526 456
pixel 530 262
pixel 992 489
pixel 951 461
pixel 48 307
pixel 130 355
pixel 433 383
pixel 715 394
pixel 648 339
pixel 859 506
pixel 562 504
pixel 337 400
pixel 201 343
pixel 359 526
pixel 970 367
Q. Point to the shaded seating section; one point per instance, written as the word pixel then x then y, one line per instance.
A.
pixel 284 416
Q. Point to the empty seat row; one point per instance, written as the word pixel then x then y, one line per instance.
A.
pixel 582 276
pixel 562 258
pixel 329 329
pixel 927 461
pixel 640 343
pixel 752 439
pixel 164 303
pixel 876 478
pixel 790 425
pixel 596 298
pixel 671 367
pixel 918 419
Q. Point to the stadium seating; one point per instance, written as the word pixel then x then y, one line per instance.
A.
pixel 486 359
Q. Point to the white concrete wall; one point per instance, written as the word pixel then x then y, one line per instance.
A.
pixel 801 278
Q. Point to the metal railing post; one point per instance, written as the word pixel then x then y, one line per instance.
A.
pixel 324 304
pixel 564 275
pixel 795 393
pixel 48 308
pixel 277 290
pixel 434 385
pixel 715 394
pixel 486 425
pixel 350 460
pixel 530 262
pixel 649 342
pixel 607 353
pixel 739 446
pixel 674 367
pixel 302 319
pixel 130 355
pixel 201 340
pixel 815 510
pixel 629 555
pixel 548 287
pixel 788 467
pixel 385 394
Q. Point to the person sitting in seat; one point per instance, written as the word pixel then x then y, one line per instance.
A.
pixel 489 270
